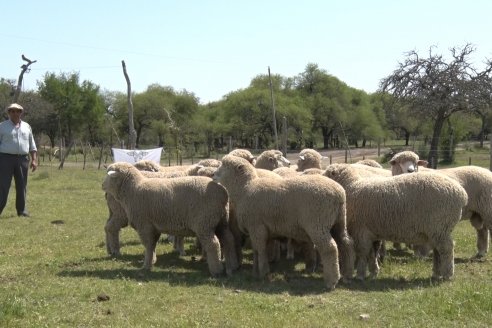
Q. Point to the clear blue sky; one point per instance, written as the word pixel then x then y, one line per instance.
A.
pixel 215 47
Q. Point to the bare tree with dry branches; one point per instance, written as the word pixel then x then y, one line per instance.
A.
pixel 25 68
pixel 436 88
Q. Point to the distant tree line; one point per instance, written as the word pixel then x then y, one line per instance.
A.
pixel 431 98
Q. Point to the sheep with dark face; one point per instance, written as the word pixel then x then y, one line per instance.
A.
pixel 304 208
pixel 411 208
pixel 187 206
pixel 477 182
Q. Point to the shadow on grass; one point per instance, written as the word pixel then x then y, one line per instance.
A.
pixel 285 276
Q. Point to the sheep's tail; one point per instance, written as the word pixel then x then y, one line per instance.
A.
pixel 345 244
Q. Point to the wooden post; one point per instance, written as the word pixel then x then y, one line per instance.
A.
pixel 284 135
pixel 273 110
pixel 132 134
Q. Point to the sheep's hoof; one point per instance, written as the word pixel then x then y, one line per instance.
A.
pixel 345 280
pixel 373 275
pixel 438 279
pixel 330 287
pixel 479 257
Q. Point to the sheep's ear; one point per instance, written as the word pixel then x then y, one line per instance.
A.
pixel 392 161
pixel 111 172
pixel 302 157
pixel 421 162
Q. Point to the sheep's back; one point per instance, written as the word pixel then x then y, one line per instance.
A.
pixel 282 204
pixel 405 203
pixel 181 200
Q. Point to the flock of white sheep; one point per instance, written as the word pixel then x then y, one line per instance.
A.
pixel 338 215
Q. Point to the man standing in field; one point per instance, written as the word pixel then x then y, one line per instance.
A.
pixel 16 144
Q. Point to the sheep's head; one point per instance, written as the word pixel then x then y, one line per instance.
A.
pixel 244 153
pixel 309 158
pixel 406 162
pixel 207 171
pixel 117 174
pixel 341 173
pixel 271 159
pixel 370 162
pixel 234 171
pixel 147 165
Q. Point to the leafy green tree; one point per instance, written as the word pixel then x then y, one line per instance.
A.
pixel 364 121
pixel 79 107
pixel 328 100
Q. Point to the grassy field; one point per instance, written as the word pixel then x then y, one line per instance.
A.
pixel 54 272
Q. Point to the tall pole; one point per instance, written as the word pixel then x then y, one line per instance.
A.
pixel 132 134
pixel 273 110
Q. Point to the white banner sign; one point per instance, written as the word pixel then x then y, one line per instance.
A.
pixel 134 155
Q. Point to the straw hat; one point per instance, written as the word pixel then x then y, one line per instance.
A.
pixel 15 106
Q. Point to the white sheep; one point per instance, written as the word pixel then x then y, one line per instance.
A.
pixel 412 208
pixel 304 208
pixel 369 162
pixel 271 159
pixel 117 220
pixel 286 172
pixel 182 206
pixel 477 182
pixel 244 153
pixel 308 159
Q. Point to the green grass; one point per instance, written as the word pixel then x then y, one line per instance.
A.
pixel 53 267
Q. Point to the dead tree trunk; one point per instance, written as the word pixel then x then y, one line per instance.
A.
pixel 25 68
pixel 132 134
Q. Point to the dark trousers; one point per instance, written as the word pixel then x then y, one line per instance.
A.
pixel 16 166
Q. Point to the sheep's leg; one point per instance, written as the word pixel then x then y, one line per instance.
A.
pixel 482 235
pixel 363 248
pixel 273 250
pixel 238 236
pixel 211 246
pixel 256 271
pixel 346 254
pixel 259 239
pixel 422 250
pixel 112 230
pixel 290 249
pixel 149 237
pixel 397 246
pixel 443 258
pixel 310 256
pixel 116 221
pixel 178 245
pixel 328 251
pixel 373 264
pixel 228 245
